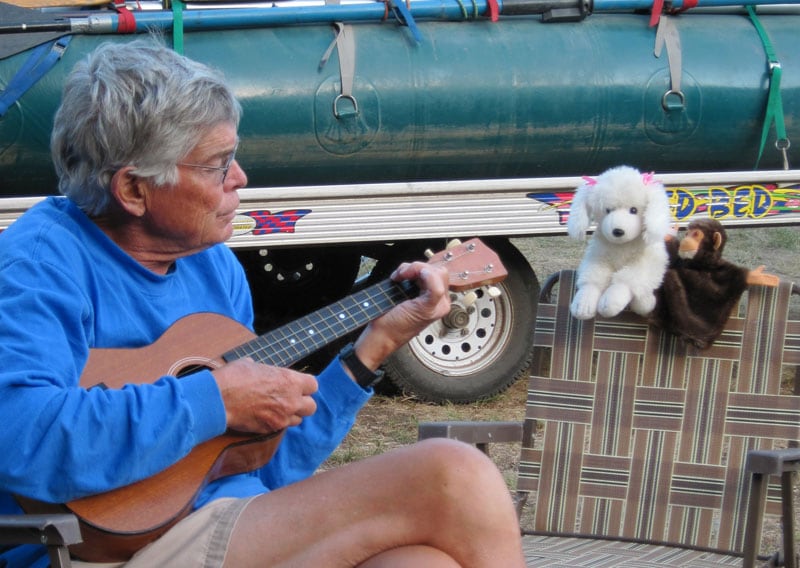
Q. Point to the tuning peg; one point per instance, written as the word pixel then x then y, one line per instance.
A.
pixel 493 291
pixel 428 253
pixel 469 298
pixel 452 244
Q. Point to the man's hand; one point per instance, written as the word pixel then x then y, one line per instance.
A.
pixel 261 398
pixel 394 329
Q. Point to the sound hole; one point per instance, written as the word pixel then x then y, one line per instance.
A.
pixel 190 365
pixel 190 370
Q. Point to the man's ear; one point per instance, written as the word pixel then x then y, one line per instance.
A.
pixel 129 191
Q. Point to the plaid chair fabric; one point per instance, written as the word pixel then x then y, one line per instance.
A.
pixel 632 435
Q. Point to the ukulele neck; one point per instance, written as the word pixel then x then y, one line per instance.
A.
pixel 292 342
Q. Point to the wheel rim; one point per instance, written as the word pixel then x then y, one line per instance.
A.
pixel 461 348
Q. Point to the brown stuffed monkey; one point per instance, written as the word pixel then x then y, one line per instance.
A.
pixel 700 288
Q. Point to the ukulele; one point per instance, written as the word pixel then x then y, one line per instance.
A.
pixel 117 523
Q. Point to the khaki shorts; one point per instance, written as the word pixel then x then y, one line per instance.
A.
pixel 198 541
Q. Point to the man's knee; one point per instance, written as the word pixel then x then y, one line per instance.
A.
pixel 450 449
pixel 460 463
pixel 462 482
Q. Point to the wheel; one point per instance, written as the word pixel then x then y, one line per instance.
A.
pixel 480 348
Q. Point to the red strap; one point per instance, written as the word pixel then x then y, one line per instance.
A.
pixel 126 21
pixel 493 9
pixel 686 5
pixel 658 5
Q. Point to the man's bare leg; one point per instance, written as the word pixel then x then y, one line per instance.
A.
pixel 439 494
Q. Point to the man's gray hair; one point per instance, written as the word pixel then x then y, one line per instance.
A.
pixel 134 104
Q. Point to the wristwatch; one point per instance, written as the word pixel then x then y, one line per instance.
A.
pixel 362 374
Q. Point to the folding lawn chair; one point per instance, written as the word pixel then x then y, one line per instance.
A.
pixel 638 450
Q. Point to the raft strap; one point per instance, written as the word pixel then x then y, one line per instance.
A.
pixel 40 61
pixel 667 36
pixel 774 102
pixel 345 44
pixel 177 26
pixel 126 21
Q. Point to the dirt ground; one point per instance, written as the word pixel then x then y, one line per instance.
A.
pixel 391 419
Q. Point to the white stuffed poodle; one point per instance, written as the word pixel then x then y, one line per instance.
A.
pixel 626 258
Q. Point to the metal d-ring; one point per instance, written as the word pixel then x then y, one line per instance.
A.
pixel 671 106
pixel 351 98
pixel 783 145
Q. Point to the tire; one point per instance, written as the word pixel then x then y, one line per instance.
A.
pixel 485 356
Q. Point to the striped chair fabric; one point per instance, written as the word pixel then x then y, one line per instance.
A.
pixel 638 441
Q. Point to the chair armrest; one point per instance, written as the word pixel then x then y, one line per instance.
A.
pixel 478 433
pixel 773 462
pixel 760 464
pixel 39 529
pixel 55 532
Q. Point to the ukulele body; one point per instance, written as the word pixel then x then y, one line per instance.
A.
pixel 117 523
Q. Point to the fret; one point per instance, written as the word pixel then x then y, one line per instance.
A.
pixel 292 342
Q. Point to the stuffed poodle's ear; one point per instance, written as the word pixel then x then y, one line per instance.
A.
pixel 657 219
pixel 579 219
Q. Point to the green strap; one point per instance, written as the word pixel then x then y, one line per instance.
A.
pixel 177 25
pixel 774 103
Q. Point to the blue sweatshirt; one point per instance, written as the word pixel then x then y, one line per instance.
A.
pixel 66 288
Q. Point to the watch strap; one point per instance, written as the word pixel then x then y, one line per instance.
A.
pixel 364 377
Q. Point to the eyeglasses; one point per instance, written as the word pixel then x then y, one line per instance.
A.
pixel 223 170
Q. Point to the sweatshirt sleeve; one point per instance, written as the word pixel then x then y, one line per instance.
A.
pixel 306 446
pixel 59 441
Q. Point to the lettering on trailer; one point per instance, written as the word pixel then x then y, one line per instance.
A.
pixel 749 201
pixel 738 202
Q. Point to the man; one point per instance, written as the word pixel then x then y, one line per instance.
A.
pixel 144 145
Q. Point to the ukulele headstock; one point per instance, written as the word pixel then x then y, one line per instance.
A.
pixel 470 264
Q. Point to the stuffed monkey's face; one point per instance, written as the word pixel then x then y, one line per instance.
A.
pixel 691 243
pixel 621 225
